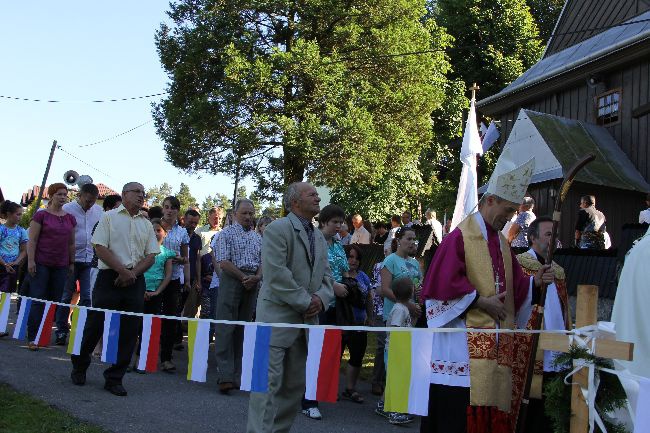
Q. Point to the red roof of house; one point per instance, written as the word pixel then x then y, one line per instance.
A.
pixel 31 194
pixel 105 190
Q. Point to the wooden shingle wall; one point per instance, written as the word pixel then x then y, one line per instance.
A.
pixel 583 19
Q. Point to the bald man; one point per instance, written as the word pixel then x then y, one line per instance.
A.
pixel 126 246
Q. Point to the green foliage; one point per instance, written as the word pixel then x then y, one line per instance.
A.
pixel 273 210
pixel 495 41
pixel 440 161
pixel 394 193
pixel 185 197
pixel 208 203
pixel 27 215
pixel 557 394
pixel 157 194
pixel 279 90
pixel 546 14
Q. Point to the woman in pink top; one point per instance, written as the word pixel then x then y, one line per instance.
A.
pixel 50 255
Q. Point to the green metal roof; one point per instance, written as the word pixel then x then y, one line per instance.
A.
pixel 570 139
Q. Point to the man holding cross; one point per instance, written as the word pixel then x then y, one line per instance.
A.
pixel 556 315
pixel 476 282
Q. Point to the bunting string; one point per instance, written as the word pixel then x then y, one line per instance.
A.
pixel 577 332
pixel 409 353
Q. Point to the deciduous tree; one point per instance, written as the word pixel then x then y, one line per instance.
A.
pixel 495 41
pixel 339 92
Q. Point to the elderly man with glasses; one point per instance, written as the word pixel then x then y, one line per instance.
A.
pixel 126 246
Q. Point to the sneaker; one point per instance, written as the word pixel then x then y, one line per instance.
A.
pixel 312 413
pixel 400 418
pixel 3 334
pixel 78 378
pixel 32 346
pixel 226 387
pixel 60 339
pixel 168 367
pixel 379 410
pixel 377 389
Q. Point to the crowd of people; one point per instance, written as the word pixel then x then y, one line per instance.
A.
pixel 302 268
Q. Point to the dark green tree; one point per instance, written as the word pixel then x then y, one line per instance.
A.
pixel 546 14
pixel 185 197
pixel 223 201
pixel 339 92
pixel 495 41
pixel 156 194
pixel 208 203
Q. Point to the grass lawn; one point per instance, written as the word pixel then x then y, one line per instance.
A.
pixel 368 358
pixel 24 414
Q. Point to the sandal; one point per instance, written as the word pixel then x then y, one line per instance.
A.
pixel 352 395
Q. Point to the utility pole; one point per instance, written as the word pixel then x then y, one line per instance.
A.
pixel 237 176
pixel 47 171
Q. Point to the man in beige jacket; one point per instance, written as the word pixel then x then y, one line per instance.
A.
pixel 296 286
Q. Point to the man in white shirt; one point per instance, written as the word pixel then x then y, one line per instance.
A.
pixel 436 229
pixel 395 224
pixel 87 213
pixel 126 247
pixel 208 231
pixel 644 215
pixel 360 235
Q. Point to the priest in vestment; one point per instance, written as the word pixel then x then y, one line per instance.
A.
pixel 630 313
pixel 475 281
pixel 556 317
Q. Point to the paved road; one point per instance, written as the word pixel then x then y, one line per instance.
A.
pixel 162 402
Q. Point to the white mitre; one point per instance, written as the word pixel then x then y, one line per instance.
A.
pixel 509 180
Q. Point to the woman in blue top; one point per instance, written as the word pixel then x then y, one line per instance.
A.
pixel 330 219
pixel 356 341
pixel 156 280
pixel 398 265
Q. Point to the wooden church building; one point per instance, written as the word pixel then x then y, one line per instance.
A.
pixel 590 92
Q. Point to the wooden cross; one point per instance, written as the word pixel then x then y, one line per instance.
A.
pixel 586 314
pixel 474 89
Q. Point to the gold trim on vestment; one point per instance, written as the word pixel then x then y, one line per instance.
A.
pixel 490 356
pixel 530 265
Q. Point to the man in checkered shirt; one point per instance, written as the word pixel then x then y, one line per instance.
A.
pixel 238 253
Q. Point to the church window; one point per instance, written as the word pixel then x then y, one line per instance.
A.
pixel 608 107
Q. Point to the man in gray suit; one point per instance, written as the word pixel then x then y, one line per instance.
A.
pixel 296 286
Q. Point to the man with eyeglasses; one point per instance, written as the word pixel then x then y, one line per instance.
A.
pixel 126 246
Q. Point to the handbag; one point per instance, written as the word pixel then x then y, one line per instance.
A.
pixel 344 311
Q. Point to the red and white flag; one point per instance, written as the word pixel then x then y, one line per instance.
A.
pixel 150 343
pixel 323 363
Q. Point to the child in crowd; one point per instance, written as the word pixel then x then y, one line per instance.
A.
pixel 377 319
pixel 13 245
pixel 156 279
pixel 400 317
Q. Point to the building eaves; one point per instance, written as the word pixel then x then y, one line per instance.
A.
pixel 632 32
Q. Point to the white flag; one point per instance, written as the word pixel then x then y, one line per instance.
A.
pixel 467 198
pixel 491 136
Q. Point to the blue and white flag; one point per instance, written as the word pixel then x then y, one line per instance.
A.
pixel 255 359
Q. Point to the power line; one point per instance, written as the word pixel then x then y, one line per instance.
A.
pixel 482 46
pixel 343 59
pixel 116 136
pixel 83 162
pixel 95 101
